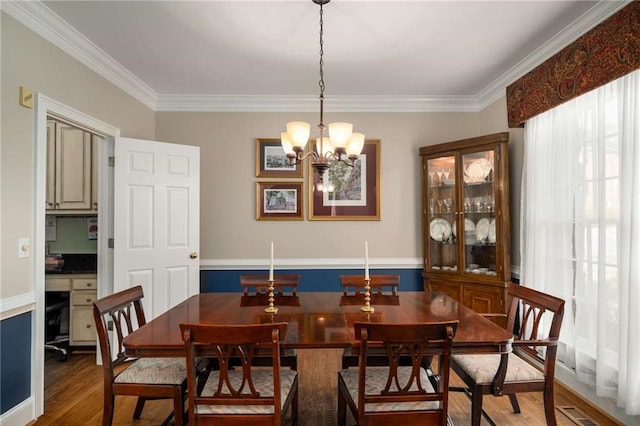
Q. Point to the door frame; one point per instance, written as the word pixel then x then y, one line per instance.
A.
pixel 43 108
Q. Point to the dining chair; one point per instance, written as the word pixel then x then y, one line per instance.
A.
pixel 254 287
pixel 398 394
pixel 284 284
pixel 531 365
pixel 354 284
pixel 384 292
pixel 146 378
pixel 245 395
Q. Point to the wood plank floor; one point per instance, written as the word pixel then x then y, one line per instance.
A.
pixel 73 396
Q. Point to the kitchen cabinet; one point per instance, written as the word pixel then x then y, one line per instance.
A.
pixel 466 222
pixel 69 169
pixel 82 290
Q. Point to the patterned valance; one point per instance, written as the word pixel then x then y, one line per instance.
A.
pixel 607 52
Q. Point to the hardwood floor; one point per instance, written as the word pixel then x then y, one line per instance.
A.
pixel 73 396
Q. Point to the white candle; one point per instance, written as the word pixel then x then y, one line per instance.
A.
pixel 271 267
pixel 366 260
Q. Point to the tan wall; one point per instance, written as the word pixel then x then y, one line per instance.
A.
pixel 28 60
pixel 227 140
pixel 228 226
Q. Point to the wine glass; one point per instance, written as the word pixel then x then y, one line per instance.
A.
pixel 440 173
pixel 448 202
pixel 447 171
pixel 432 173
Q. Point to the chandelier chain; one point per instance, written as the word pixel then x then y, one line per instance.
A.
pixel 321 82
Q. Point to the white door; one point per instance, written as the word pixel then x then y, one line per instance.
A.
pixel 156 221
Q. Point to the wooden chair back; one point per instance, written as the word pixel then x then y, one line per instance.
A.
pixel 354 284
pixel 123 313
pixel 420 343
pixel 536 318
pixel 224 345
pixel 535 336
pixel 284 284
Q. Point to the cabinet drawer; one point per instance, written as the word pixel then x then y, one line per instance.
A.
pixel 85 283
pixel 79 298
pixel 83 330
pixel 57 284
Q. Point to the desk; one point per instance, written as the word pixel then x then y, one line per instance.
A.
pixel 319 320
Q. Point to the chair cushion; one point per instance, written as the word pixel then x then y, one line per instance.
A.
pixel 263 382
pixel 375 382
pixel 482 368
pixel 157 371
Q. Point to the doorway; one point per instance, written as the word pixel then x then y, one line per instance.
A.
pixel 46 108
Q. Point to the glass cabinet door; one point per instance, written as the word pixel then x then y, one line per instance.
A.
pixel 442 213
pixel 479 207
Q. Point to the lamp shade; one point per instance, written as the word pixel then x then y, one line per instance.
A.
pixel 286 143
pixel 356 143
pixel 340 133
pixel 327 146
pixel 298 132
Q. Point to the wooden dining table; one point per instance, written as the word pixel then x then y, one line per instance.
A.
pixel 317 320
pixel 320 326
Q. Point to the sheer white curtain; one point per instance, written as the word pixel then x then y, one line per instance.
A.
pixel 580 231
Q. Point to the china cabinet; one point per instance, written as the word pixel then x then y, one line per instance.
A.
pixel 466 224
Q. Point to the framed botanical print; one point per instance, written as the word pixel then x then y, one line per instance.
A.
pixel 346 192
pixel 271 161
pixel 279 200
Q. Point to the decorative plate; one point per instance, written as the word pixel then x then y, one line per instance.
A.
pixel 477 170
pixel 482 229
pixel 492 231
pixel 439 229
pixel 469 225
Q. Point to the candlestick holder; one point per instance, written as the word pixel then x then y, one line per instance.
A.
pixel 271 309
pixel 367 297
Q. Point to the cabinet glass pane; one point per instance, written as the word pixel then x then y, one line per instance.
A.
pixel 442 209
pixel 479 201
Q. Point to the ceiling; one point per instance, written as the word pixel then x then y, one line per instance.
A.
pixel 264 55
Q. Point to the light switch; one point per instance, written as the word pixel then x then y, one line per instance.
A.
pixel 24 247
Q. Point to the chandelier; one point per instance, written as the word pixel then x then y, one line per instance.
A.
pixel 342 144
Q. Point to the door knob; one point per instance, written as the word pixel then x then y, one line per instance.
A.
pixel 193 255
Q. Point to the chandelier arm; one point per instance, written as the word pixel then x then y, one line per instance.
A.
pixel 299 158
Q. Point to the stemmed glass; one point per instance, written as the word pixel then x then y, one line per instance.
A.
pixel 440 173
pixel 448 202
pixel 432 173
pixel 447 171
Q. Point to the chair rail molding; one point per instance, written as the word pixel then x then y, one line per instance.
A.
pixel 16 305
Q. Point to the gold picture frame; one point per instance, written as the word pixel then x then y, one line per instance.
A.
pixel 271 161
pixel 279 200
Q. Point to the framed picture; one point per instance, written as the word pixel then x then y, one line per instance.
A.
pixel 347 193
pixel 279 200
pixel 272 162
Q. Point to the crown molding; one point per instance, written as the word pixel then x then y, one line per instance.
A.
pixel 41 20
pixel 229 103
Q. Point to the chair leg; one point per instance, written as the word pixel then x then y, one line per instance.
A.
pixel 476 407
pixel 514 403
pixel 178 407
pixel 549 408
pixel 107 411
pixel 294 409
pixel 139 406
pixel 342 409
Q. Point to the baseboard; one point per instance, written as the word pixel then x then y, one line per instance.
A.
pixel 21 414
